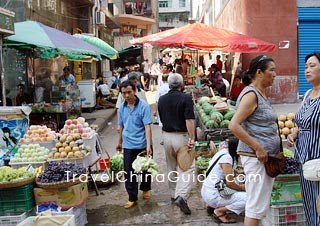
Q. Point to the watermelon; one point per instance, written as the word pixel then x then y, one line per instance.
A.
pixel 229 115
pixel 211 124
pixel 207 108
pixel 216 116
pixel 203 100
pixel 224 124
pixel 205 119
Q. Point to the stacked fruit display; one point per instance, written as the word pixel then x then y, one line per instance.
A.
pixel 77 126
pixel 37 133
pixel 69 146
pixel 214 112
pixel 60 171
pixel 286 124
pixel 30 153
pixel 8 174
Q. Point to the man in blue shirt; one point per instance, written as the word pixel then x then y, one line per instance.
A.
pixel 134 121
pixel 67 78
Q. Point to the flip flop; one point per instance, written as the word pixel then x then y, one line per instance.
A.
pixel 217 219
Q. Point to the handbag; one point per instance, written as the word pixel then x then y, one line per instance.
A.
pixel 276 164
pixel 223 190
pixel 311 168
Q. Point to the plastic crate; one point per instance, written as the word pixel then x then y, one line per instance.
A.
pixel 79 213
pixel 285 215
pixel 286 192
pixel 30 221
pixel 11 219
pixel 200 144
pixel 17 200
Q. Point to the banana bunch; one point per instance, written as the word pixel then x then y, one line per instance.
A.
pixel 67 197
pixel 38 171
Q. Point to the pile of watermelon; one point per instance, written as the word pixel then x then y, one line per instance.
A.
pixel 214 112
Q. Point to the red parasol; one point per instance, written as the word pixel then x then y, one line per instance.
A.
pixel 201 36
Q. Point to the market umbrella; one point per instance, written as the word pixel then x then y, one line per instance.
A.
pixel 201 36
pixel 106 49
pixel 51 42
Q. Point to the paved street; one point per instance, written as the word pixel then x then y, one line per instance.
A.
pixel 106 209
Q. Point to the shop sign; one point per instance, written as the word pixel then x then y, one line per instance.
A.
pixel 6 21
pixel 129 29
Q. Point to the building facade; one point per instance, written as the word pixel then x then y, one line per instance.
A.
pixel 274 21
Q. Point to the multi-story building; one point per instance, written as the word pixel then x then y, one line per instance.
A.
pixel 136 18
pixel 174 13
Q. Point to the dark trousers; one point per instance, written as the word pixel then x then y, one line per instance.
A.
pixel 132 179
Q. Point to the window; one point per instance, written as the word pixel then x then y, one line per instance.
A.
pixel 182 3
pixel 163 4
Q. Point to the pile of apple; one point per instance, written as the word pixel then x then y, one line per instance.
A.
pixel 69 146
pixel 77 126
pixel 37 133
pixel 30 153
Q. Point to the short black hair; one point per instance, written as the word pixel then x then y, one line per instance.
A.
pixel 5 130
pixel 127 83
pixel 66 68
pixel 20 85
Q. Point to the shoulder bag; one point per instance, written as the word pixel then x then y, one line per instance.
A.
pixel 221 186
pixel 311 168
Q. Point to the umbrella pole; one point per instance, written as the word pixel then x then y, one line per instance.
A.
pixel 3 87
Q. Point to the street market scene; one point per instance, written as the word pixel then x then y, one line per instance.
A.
pixel 174 112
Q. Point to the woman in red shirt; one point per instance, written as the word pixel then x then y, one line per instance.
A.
pixel 236 88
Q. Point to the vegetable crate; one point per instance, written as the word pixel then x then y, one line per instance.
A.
pixel 285 215
pixel 17 200
pixel 12 219
pixel 286 191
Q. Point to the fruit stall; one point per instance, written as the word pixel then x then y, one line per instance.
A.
pixel 213 115
pixel 48 173
pixel 64 104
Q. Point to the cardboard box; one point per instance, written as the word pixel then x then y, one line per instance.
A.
pixel 66 198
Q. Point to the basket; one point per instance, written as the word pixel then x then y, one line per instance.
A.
pixel 17 200
pixel 60 184
pixel 17 183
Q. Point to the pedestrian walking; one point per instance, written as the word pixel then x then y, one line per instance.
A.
pixel 146 74
pixel 255 125
pixel 134 121
pixel 177 116
pixel 307 136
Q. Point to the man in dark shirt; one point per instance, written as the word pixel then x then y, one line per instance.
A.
pixel 176 113
pixel 22 97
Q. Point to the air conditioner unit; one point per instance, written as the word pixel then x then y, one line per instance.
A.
pixel 101 18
